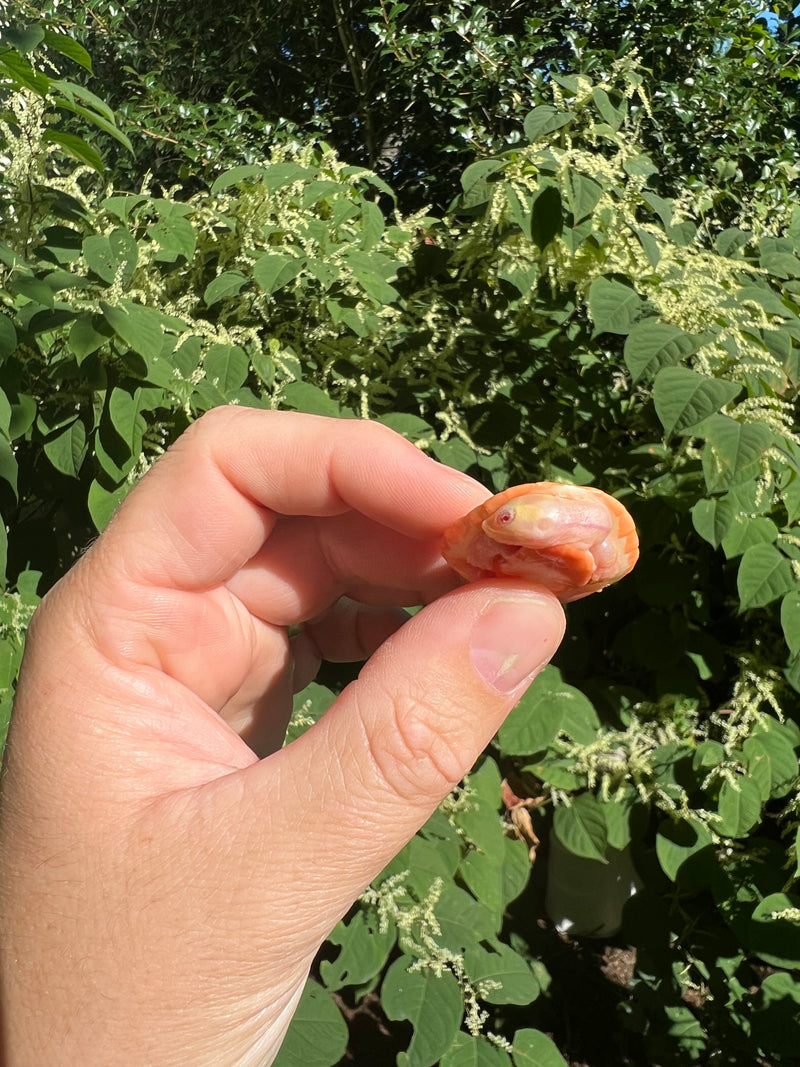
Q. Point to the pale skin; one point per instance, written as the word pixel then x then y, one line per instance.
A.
pixel 168 870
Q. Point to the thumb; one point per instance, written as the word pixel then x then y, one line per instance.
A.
pixel 399 738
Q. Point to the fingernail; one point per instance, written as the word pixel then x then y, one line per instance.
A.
pixel 514 638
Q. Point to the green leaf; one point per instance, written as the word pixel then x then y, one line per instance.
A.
pixel 739 807
pixel 8 337
pixel 651 345
pixel 713 518
pixel 463 920
pixel 790 620
pixel 139 327
pixel 175 237
pixel 683 398
pixel 532 1048
pixel 497 879
pixel 583 194
pixel 67 449
pixel 68 47
pixel 545 119
pixel 112 256
pixel 317 1035
pixel 765 574
pixel 548 707
pixel 76 146
pixel 469 1051
pixel 272 272
pixel 733 451
pixel 303 396
pixel 104 502
pixel 546 216
pixel 84 338
pixel 746 531
pixel 581 827
pixel 614 307
pixel 363 951
pixel 370 272
pixel 432 1005
pixel 775 940
pixel 776 1014
pixel 677 841
pixel 499 963
pixel 226 366
pixel 774 740
pixel 225 285
pixel 24 38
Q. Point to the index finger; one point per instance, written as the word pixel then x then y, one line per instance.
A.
pixel 213 499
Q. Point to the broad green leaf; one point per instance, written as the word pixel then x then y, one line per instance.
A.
pixel 546 216
pixel 22 74
pixel 476 185
pixel 175 236
pixel 84 338
pixel 501 964
pixel 8 337
pixel 425 862
pixel 363 951
pixel 469 1051
pixel 317 1035
pixel 371 271
pixel 612 115
pixel 463 920
pixel 432 1005
pixel 236 175
pixel 545 119
pixel 9 470
pixel 739 807
pixel 33 289
pixel 24 38
pixel 776 940
pixel 548 707
pixel 139 327
pixel 614 307
pixel 497 878
pixel 790 620
pixel 532 1048
pixel 112 256
pixel 764 297
pixel 583 193
pixel 581 827
pixel 758 766
pixel 774 739
pixel 676 842
pixel 76 147
pixel 67 449
pixel 226 366
pixel 733 451
pixel 225 285
pixel 765 574
pixel 303 396
pixel 104 502
pixel 746 531
pixel 775 1015
pixel 272 272
pixel 713 518
pixel 651 345
pixel 478 821
pixel 683 398
pixel 68 47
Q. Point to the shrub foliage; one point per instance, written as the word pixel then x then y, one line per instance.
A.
pixel 563 320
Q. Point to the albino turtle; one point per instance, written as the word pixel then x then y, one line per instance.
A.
pixel 571 539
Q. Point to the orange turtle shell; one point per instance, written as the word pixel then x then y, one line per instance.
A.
pixel 572 539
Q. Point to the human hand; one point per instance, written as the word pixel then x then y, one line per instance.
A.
pixel 168 870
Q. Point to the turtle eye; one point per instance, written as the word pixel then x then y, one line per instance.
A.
pixel 505 515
